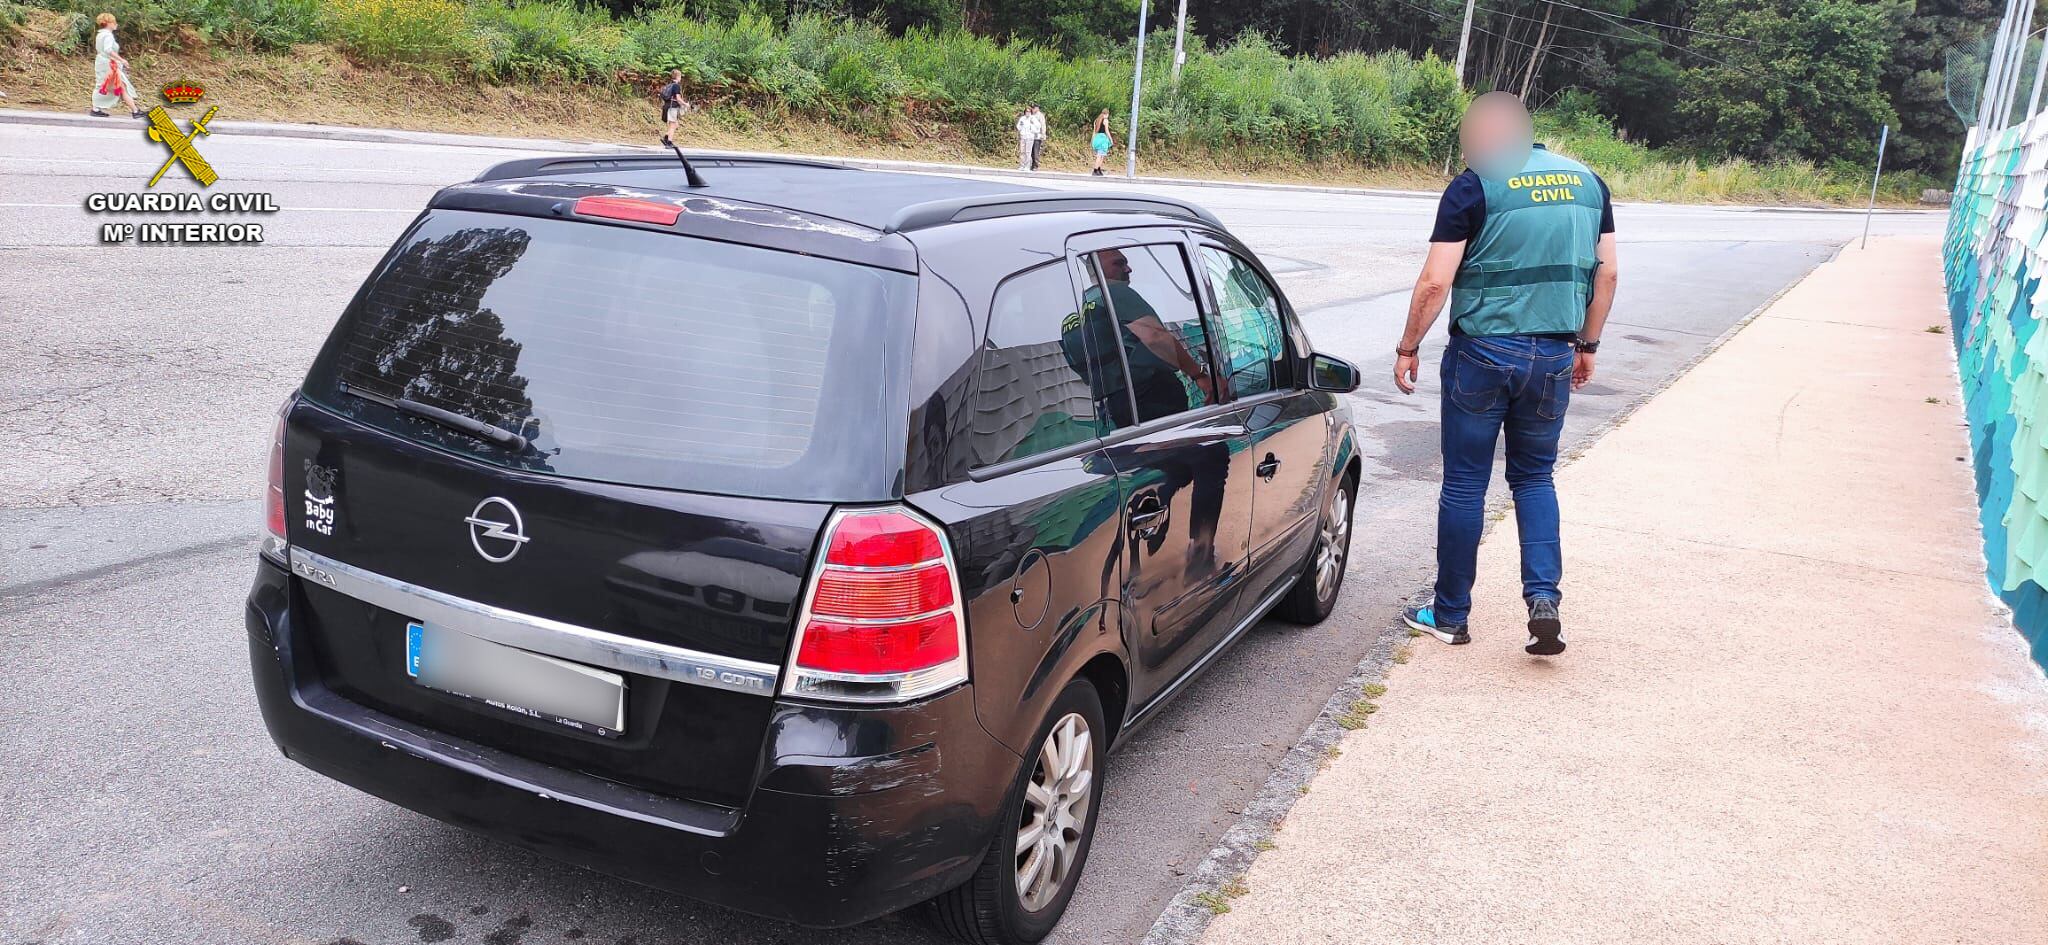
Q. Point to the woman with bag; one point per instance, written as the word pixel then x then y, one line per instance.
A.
pixel 110 72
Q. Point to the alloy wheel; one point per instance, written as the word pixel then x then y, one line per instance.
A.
pixel 1335 541
pixel 1057 804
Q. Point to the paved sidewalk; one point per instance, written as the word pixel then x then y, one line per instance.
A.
pixel 1791 711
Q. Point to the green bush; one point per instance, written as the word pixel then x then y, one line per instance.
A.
pixel 272 24
pixel 411 32
pixel 12 16
pixel 546 40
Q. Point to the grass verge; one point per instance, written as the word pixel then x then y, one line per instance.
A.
pixel 317 83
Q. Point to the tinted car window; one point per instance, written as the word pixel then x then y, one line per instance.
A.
pixel 625 355
pixel 1151 300
pixel 1034 391
pixel 1250 342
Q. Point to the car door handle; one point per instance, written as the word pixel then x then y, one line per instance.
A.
pixel 1268 467
pixel 1145 524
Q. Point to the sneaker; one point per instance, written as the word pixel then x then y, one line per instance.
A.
pixel 1424 619
pixel 1546 631
pixel 96 113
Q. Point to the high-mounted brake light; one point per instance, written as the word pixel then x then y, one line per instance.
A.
pixel 629 208
pixel 274 544
pixel 881 619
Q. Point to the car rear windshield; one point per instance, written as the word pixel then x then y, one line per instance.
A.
pixel 628 356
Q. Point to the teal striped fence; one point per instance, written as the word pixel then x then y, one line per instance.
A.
pixel 1994 259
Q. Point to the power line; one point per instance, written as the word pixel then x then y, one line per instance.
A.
pixel 1580 29
pixel 1663 26
pixel 1554 49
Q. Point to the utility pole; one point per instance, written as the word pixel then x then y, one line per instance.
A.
pixel 1180 26
pixel 1137 89
pixel 1465 40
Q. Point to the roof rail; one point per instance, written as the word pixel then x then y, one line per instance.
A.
pixel 932 213
pixel 630 160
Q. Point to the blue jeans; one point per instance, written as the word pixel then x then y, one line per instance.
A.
pixel 1522 384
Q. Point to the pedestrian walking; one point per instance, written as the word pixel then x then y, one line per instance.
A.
pixel 672 106
pixel 110 72
pixel 1037 134
pixel 1024 139
pixel 1524 250
pixel 1099 141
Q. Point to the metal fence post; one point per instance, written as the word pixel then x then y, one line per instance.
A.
pixel 1882 137
pixel 1137 88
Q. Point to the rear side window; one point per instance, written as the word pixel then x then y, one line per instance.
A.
pixel 628 356
pixel 1250 341
pixel 1034 395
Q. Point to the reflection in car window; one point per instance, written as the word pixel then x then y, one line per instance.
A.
pixel 1147 290
pixel 1250 344
pixel 622 355
pixel 1034 395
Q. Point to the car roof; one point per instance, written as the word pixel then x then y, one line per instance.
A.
pixel 886 201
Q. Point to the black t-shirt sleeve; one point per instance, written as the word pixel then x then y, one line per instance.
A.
pixel 1606 207
pixel 1461 212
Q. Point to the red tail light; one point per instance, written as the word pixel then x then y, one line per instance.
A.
pixel 274 543
pixel 629 208
pixel 882 619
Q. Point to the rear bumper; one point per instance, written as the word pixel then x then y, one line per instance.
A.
pixel 856 813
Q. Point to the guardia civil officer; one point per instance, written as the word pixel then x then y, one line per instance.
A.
pixel 1524 252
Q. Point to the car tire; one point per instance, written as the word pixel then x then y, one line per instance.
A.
pixel 994 907
pixel 1322 575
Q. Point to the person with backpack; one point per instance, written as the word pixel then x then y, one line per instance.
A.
pixel 672 106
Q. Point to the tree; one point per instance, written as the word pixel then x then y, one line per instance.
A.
pixel 1790 78
pixel 1930 136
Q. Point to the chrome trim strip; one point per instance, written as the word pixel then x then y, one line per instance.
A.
pixel 538 634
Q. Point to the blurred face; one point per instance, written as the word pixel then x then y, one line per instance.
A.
pixel 1496 135
pixel 1115 267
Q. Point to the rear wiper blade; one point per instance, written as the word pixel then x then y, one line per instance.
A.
pixel 447 418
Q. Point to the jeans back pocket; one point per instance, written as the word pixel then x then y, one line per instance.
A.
pixel 1556 394
pixel 1475 386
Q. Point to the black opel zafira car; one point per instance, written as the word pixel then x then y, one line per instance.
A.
pixel 794 537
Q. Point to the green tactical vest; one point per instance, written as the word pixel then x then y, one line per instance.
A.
pixel 1530 269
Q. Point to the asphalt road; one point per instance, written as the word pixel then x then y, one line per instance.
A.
pixel 140 800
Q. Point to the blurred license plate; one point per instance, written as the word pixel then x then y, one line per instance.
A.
pixel 582 697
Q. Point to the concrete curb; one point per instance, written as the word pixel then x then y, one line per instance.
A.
pixel 22 116
pixel 1186 915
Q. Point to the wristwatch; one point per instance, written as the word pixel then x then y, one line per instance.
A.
pixel 1586 347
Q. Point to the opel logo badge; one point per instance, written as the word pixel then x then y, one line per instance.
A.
pixel 495 530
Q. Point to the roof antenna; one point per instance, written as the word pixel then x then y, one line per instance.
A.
pixel 689 173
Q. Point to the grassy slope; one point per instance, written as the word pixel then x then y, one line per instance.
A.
pixel 318 85
pixel 315 84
